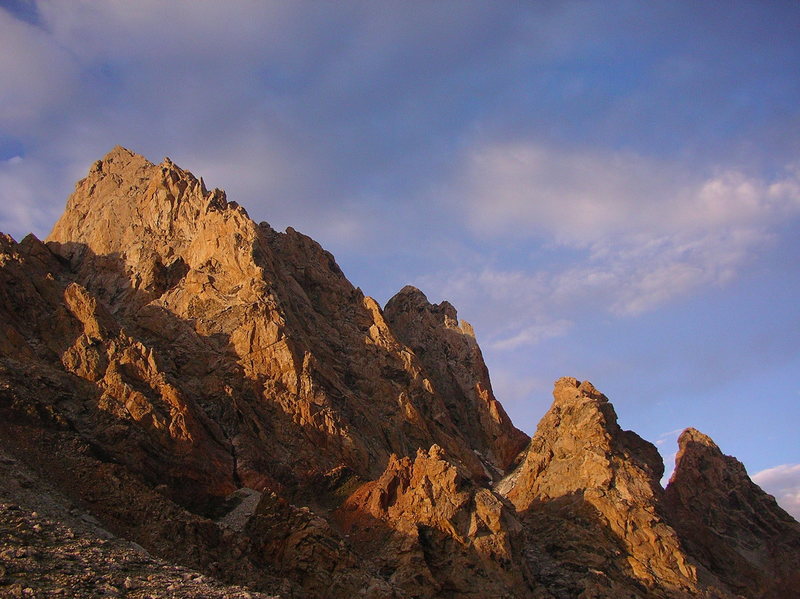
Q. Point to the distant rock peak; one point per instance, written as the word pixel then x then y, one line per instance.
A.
pixel 451 356
pixel 134 169
pixel 121 154
pixel 413 292
pixel 412 299
pixel 729 524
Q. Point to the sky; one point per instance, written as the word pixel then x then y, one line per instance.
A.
pixel 606 190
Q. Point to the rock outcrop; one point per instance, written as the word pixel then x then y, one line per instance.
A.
pixel 441 534
pixel 729 524
pixel 218 393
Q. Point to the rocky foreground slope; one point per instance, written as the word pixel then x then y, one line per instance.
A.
pixel 225 408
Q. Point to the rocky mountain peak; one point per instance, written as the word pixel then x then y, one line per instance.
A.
pixel 235 309
pixel 449 352
pixel 569 389
pixel 733 527
pixel 579 447
pixel 411 300
pixel 692 436
pixel 125 198
pixel 580 459
pixel 119 155
pixel 412 295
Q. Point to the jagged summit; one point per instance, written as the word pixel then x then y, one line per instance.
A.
pixel 580 456
pixel 126 197
pixel 692 435
pixel 413 294
pixel 158 243
pixel 170 366
pixel 450 354
pixel 569 389
pixel 121 154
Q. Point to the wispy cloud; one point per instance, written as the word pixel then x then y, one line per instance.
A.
pixel 667 447
pixel 637 233
pixel 513 388
pixel 784 483
pixel 614 202
pixel 534 333
pixel 671 436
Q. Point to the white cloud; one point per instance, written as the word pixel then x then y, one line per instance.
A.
pixel 665 441
pixel 638 233
pixel 671 436
pixel 669 466
pixel 534 333
pixel 609 200
pixel 784 483
pixel 203 29
pixel 37 73
pixel 508 305
pixel 512 388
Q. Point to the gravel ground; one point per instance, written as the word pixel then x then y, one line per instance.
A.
pixel 51 548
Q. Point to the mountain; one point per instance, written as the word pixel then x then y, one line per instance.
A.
pixel 207 399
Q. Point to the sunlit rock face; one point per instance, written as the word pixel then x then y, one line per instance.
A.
pixel 219 393
pixel 262 327
pixel 444 533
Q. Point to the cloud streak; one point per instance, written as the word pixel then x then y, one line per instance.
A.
pixel 607 201
pixel 25 186
pixel 37 74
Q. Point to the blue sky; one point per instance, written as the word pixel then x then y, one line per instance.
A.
pixel 606 190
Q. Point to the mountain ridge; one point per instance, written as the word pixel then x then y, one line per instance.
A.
pixel 163 357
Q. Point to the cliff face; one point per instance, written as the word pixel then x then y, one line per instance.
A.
pixel 219 393
pixel 441 534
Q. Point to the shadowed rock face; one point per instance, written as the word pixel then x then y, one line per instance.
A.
pixel 731 526
pixel 219 393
